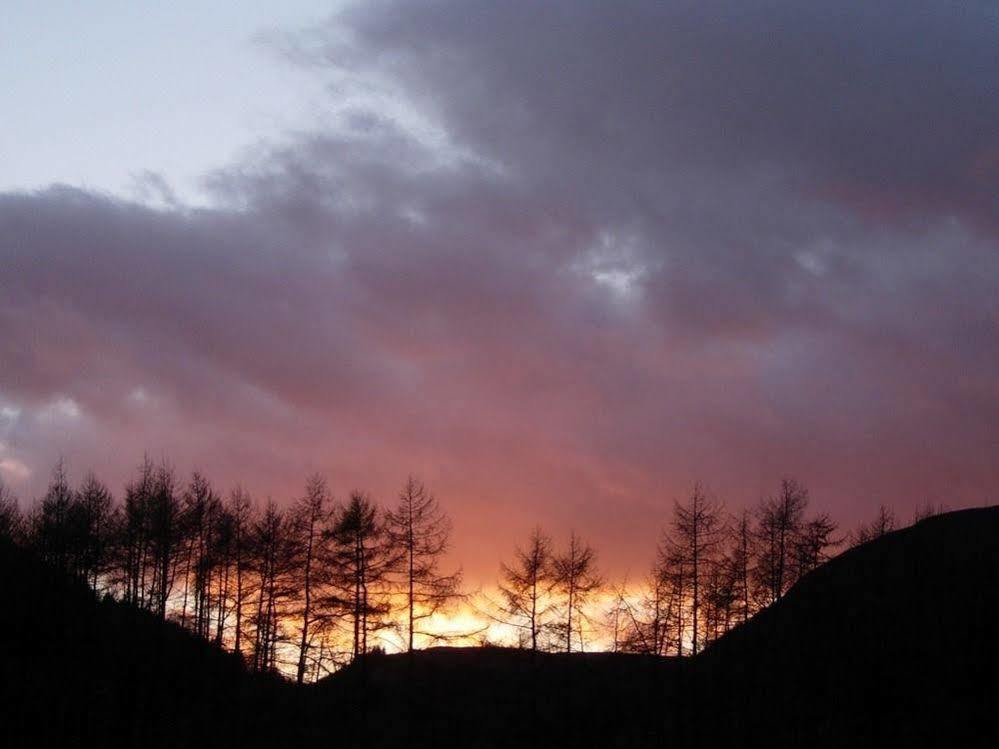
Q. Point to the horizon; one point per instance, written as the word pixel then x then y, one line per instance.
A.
pixel 111 543
pixel 852 655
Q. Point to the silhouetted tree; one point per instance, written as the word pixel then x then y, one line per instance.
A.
pixel 721 596
pixel 927 510
pixel 643 626
pixel 672 576
pixel 164 534
pixel 222 554
pixel 96 521
pixel 575 577
pixel 241 512
pixel 741 562
pixel 526 586
pixel 779 524
pixel 418 532
pixel 134 541
pixel 697 533
pixel 811 547
pixel 883 524
pixel 272 557
pixel 308 521
pixel 201 508
pixel 362 564
pixel 11 521
pixel 52 524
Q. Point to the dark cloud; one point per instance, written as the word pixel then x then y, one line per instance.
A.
pixel 563 260
pixel 890 95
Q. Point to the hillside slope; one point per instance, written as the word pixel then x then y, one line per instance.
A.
pixel 895 642
pixel 502 697
pixel 75 671
pixel 892 643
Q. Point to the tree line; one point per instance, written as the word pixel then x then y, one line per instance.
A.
pixel 712 571
pixel 302 589
pixel 306 589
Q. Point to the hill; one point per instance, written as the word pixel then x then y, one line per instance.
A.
pixel 891 643
pixel 502 697
pixel 78 671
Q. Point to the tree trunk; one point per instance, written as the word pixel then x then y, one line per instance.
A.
pixel 303 644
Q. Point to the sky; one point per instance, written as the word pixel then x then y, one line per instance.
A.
pixel 560 260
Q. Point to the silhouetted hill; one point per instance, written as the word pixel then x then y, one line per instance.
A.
pixel 75 671
pixel 891 643
pixel 895 642
pixel 503 697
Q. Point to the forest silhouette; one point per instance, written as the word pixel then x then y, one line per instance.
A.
pixel 180 617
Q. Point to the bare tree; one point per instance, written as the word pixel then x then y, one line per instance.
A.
pixel 812 546
pixel 362 564
pixel 95 511
pixel 272 560
pixel 309 519
pixel 927 510
pixel 672 575
pixel 11 521
pixel 201 508
pixel 697 532
pixel 779 523
pixel 51 523
pixel 575 576
pixel 741 561
pixel 526 586
pixel 223 552
pixel 164 533
pixel 883 524
pixel 134 542
pixel 419 532
pixel 242 520
pixel 721 595
pixel 643 625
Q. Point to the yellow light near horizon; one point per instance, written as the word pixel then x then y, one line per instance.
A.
pixel 469 622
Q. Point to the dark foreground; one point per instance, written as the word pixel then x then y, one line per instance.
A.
pixel 892 643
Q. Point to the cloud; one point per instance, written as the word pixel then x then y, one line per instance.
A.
pixel 11 468
pixel 61 409
pixel 563 262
